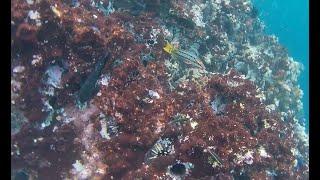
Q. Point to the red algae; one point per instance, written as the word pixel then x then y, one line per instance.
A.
pixel 152 117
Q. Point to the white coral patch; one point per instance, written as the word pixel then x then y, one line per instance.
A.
pixel 37 60
pixel 207 58
pixel 153 94
pixel 271 107
pixel 232 83
pixel 54 76
pixel 266 124
pixel 80 170
pixel 193 124
pixel 104 129
pixel 104 81
pixel 35 15
pixel 263 153
pixel 78 167
pixel 30 2
pixel 19 69
pixel 246 158
pixel 197 12
pixel 294 69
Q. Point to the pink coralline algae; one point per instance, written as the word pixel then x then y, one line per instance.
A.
pixel 140 113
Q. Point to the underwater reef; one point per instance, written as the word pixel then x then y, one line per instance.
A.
pixel 152 89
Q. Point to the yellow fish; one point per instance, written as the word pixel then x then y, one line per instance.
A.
pixel 188 58
pixel 169 48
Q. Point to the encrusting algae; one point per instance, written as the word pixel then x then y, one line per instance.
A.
pixel 150 109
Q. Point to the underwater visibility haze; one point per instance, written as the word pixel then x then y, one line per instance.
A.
pixel 159 89
pixel 289 21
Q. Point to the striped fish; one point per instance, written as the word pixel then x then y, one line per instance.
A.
pixel 187 56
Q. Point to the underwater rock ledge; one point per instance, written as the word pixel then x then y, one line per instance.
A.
pixel 221 102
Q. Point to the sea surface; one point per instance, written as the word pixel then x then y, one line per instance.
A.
pixel 289 21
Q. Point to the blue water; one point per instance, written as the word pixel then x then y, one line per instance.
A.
pixel 289 21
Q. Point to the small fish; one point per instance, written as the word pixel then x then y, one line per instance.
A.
pixel 162 147
pixel 215 157
pixel 188 57
pixel 88 89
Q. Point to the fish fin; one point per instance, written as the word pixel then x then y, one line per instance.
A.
pixel 169 48
pixel 194 49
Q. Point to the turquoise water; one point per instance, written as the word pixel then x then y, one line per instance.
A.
pixel 289 21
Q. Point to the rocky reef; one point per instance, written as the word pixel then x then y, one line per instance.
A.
pixel 95 96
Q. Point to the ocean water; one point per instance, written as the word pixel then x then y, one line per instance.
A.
pixel 289 21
